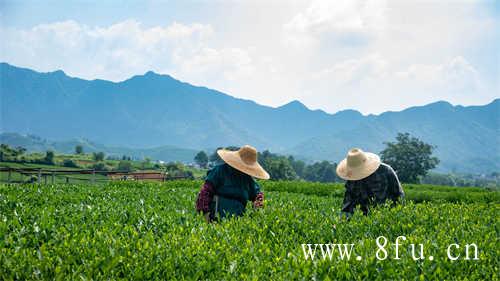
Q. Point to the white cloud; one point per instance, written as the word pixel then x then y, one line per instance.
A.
pixel 231 63
pixel 376 56
pixel 115 52
pixel 361 83
pixel 354 70
pixel 455 76
pixel 344 22
pixel 367 55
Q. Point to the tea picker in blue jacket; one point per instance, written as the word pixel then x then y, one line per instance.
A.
pixel 229 186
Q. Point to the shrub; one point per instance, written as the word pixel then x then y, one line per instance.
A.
pixel 125 166
pixel 99 166
pixel 69 163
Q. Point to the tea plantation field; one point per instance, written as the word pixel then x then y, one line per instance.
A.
pixel 145 231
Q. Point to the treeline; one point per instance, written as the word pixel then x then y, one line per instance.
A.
pixel 18 155
pixel 280 167
pixel 490 180
pixel 96 160
pixel 288 168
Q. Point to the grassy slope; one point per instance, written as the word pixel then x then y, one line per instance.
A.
pixel 85 161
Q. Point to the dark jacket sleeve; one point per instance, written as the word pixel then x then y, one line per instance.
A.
pixel 254 191
pixel 395 188
pixel 349 202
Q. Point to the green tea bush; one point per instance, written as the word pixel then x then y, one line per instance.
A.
pixel 148 231
pixel 417 193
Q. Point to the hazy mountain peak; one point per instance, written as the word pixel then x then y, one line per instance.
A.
pixel 440 104
pixel 58 73
pixel 495 102
pixel 349 112
pixel 151 73
pixel 152 76
pixel 294 105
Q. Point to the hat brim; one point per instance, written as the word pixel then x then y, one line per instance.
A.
pixel 233 159
pixel 358 173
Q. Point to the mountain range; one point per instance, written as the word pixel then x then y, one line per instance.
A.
pixel 152 110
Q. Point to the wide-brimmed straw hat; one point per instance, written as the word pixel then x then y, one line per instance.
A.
pixel 244 160
pixel 358 165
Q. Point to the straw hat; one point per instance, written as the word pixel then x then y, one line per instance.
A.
pixel 358 165
pixel 244 160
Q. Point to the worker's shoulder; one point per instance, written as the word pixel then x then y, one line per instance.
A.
pixel 219 167
pixel 216 170
pixel 385 168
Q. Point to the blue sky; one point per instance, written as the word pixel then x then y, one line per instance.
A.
pixel 372 55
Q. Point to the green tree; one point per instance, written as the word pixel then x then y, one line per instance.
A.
pixel 124 166
pixel 98 156
pixel 7 153
pixel 277 166
pixel 4 152
pixel 100 166
pixel 201 159
pixel 174 166
pixel 69 163
pixel 298 166
pixel 323 171
pixel 19 151
pixel 177 169
pixel 214 158
pixel 410 157
pixel 146 163
pixel 79 149
pixel 280 169
pixel 49 157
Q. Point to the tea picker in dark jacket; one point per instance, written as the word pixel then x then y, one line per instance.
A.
pixel 368 181
pixel 229 186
